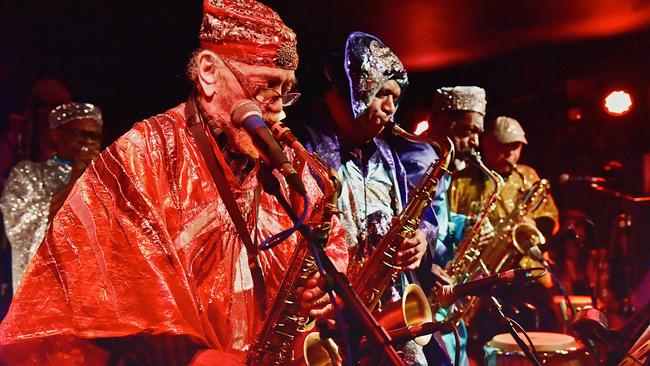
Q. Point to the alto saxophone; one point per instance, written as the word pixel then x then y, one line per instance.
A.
pixel 467 262
pixel 283 324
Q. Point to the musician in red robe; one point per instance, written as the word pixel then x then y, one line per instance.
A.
pixel 143 264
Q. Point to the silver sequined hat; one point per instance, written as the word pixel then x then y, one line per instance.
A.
pixel 72 111
pixel 368 65
pixel 460 98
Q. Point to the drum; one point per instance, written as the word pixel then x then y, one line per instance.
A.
pixel 552 349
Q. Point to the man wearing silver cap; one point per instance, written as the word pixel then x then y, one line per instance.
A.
pixel 35 191
pixel 457 113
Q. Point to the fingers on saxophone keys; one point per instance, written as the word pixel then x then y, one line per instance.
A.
pixel 408 253
pixel 411 264
pixel 318 312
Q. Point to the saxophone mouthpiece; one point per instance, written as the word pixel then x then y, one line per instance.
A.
pixel 473 157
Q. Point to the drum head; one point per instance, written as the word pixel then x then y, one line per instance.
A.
pixel 544 342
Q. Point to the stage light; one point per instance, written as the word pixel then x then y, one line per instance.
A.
pixel 618 103
pixel 421 127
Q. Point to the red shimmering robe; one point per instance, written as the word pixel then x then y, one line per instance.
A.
pixel 143 260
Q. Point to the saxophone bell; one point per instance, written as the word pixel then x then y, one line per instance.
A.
pixel 412 310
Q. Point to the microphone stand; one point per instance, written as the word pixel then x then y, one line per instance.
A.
pixel 621 259
pixel 496 307
pixel 338 282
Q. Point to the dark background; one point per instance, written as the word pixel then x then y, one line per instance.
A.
pixel 535 60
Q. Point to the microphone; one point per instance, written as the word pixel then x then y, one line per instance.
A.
pixel 536 251
pixel 566 178
pixel 401 335
pixel 249 115
pixel 483 285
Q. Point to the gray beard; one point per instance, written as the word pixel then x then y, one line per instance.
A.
pixel 239 139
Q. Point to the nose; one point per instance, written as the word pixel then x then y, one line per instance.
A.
pixel 473 140
pixel 388 106
pixel 275 106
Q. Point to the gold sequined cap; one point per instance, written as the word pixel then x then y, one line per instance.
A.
pixel 72 111
pixel 460 98
pixel 249 32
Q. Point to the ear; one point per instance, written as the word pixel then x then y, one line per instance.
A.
pixel 207 73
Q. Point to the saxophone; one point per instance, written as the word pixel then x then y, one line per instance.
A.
pixel 468 262
pixel 514 236
pixel 381 269
pixel 283 325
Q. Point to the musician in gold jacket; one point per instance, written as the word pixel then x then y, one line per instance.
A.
pixel 501 147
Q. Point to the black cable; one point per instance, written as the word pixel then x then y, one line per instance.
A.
pixel 534 278
pixel 513 332
pixel 530 341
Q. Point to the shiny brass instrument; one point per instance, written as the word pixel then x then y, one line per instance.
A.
pixel 514 236
pixel 514 232
pixel 466 262
pixel 381 269
pixel 283 324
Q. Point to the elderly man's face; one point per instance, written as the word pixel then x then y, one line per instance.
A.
pixel 72 136
pixel 239 81
pixel 464 129
pixel 498 156
pixel 264 84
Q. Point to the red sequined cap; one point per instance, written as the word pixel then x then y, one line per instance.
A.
pixel 249 32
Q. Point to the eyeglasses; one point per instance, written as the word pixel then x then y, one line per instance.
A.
pixel 261 94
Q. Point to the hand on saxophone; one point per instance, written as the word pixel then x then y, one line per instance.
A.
pixel 314 300
pixel 486 234
pixel 412 250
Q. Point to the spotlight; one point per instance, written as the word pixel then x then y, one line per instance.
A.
pixel 618 103
pixel 421 127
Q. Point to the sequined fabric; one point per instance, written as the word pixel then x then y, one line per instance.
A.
pixel 460 98
pixel 144 249
pixel 369 64
pixel 72 111
pixel 368 200
pixel 249 32
pixel 25 205
pixel 469 188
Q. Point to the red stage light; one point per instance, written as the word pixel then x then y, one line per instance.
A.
pixel 421 127
pixel 617 103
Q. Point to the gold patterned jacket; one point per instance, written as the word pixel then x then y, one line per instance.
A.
pixel 470 187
